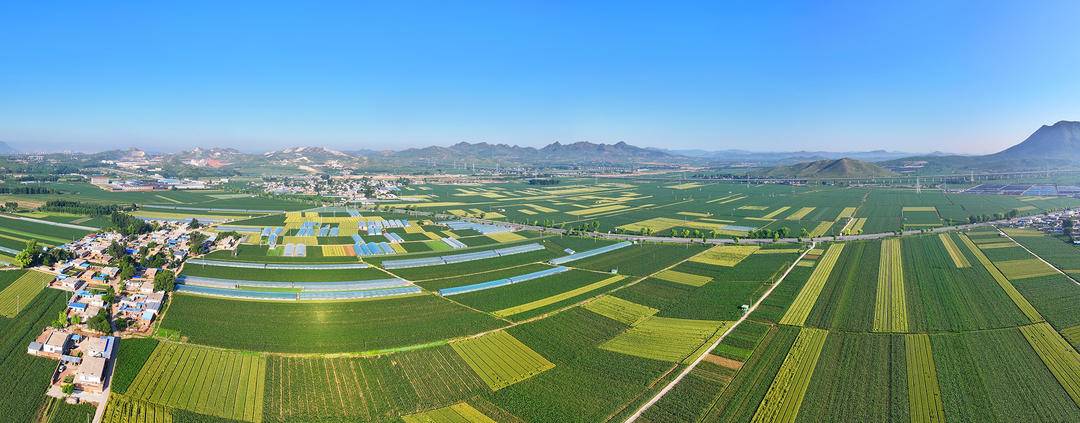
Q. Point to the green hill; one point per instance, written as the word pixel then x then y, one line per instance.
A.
pixel 822 169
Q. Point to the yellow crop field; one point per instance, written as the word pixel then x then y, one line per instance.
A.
pixel 687 185
pixel 785 395
pixel 693 214
pixel 774 213
pixel 526 211
pixel 924 395
pixel 724 198
pixel 540 209
pixel 821 228
pixel 804 302
pixel 725 255
pixel 1021 302
pixel 800 214
pixel 461 412
pixel 414 229
pixel 619 309
pixel 597 210
pixel 500 360
pixel 847 212
pixel 683 278
pixel 995 245
pixel 890 305
pixel 505 237
pixel 957 256
pixel 855 226
pixel 1062 360
pixel 930 209
pixel 727 200
pixel 1025 268
pixel 1022 232
pixel 759 208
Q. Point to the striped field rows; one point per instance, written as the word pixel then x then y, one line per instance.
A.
pixel 957 256
pixel 1002 281
pixel 924 394
pixel 804 302
pixel 785 395
pixel 1062 360
pixel 219 383
pixel 890 305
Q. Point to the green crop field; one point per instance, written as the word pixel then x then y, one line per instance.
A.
pixel 501 360
pixel 20 292
pixel 953 326
pixel 23 378
pixel 207 381
pixel 321 327
pixel 666 339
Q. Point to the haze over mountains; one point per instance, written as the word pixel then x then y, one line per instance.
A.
pixel 1056 145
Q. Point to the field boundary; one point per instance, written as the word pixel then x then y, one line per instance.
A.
pixel 690 367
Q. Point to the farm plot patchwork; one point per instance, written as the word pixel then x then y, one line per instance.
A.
pixel 665 339
pixel 208 381
pixel 1062 360
pixel 366 389
pixel 958 257
pixel 500 359
pixel 1003 281
pixel 619 309
pixel 1025 268
pixel 323 327
pixel 725 255
pixel 804 302
pixel 785 395
pixel 461 412
pixel 859 377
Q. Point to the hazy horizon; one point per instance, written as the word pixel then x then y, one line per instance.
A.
pixel 919 77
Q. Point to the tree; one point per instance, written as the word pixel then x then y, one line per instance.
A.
pixel 29 255
pixel 194 224
pixel 165 280
pixel 60 322
pixel 100 322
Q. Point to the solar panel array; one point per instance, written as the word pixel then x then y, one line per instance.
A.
pixel 590 253
pixel 502 282
pixel 453 243
pixel 479 227
pixel 459 258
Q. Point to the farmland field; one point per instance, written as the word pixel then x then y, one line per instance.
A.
pixel 904 328
pixel 207 381
pixel 321 327
pixel 20 292
pixel 24 378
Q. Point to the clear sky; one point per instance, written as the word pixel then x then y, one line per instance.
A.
pixel 915 76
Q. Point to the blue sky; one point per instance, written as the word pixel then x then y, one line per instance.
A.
pixel 968 77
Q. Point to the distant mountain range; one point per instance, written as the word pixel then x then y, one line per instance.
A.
pixel 1053 146
pixel 6 149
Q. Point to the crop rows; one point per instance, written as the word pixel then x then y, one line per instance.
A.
pixel 1025 268
pixel 619 309
pixel 461 412
pixel 1062 360
pixel 24 378
pixel 366 389
pixel 1003 282
pixel 958 257
pixel 122 409
pixel 557 298
pixel 500 359
pixel 785 395
pixel 683 278
pixel 924 396
pixel 804 302
pixel 19 293
pixel 725 255
pixel 666 339
pixel 890 306
pixel 207 381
